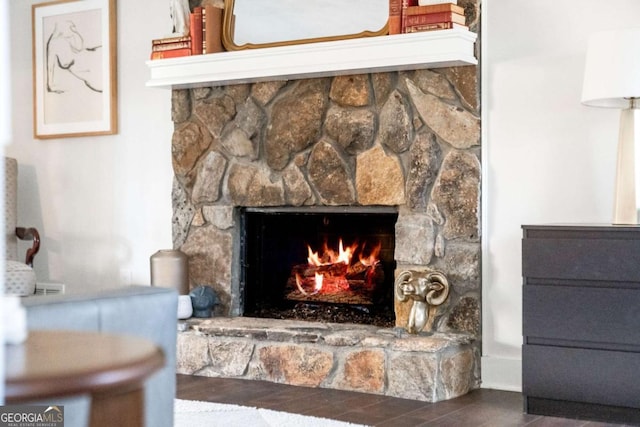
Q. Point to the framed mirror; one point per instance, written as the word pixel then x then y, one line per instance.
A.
pixel 250 24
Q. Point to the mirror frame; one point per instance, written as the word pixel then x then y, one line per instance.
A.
pixel 230 45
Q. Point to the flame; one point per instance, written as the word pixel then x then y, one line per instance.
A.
pixel 313 258
pixel 299 285
pixel 319 279
pixel 316 289
pixel 329 256
pixel 372 258
pixel 344 256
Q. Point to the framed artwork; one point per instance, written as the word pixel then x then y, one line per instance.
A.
pixel 74 68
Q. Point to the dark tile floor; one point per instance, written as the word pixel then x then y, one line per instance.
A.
pixel 490 408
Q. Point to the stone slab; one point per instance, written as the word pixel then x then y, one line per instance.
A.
pixel 387 361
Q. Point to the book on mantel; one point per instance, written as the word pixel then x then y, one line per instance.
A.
pixel 430 2
pixel 433 18
pixel 211 29
pixel 432 27
pixel 171 47
pixel 403 15
pixel 196 30
pixel 395 16
pixel 442 7
pixel 171 53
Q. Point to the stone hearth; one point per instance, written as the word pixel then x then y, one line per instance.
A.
pixel 346 357
pixel 409 140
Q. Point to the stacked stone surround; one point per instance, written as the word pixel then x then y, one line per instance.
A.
pixel 408 139
pixel 405 139
pixel 346 357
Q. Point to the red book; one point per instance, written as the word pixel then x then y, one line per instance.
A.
pixel 435 8
pixel 172 53
pixel 432 27
pixel 171 46
pixel 405 5
pixel 395 16
pixel 433 18
pixel 195 29
pixel 166 40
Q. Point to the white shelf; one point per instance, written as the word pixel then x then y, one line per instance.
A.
pixel 432 49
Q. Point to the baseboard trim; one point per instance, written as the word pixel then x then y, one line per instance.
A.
pixel 501 373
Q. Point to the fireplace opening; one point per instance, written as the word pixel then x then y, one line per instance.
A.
pixel 318 264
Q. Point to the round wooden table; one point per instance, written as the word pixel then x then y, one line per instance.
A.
pixel 111 368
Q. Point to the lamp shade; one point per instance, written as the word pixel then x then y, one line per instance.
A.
pixel 612 69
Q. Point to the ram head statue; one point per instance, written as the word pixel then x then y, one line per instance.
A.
pixel 426 290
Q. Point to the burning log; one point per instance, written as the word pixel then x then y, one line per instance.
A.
pixel 338 283
pixel 329 270
pixel 356 268
pixel 333 270
pixel 334 277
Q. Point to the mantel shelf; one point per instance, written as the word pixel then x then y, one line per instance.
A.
pixel 431 49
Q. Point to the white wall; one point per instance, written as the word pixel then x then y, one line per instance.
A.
pixel 102 204
pixel 5 117
pixel 547 158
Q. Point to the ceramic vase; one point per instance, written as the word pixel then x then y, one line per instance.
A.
pixel 170 269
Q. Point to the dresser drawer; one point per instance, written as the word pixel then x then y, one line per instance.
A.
pixel 581 259
pixel 591 376
pixel 595 315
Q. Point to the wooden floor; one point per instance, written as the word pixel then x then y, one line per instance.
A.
pixel 483 407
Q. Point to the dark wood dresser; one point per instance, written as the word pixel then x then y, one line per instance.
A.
pixel 581 321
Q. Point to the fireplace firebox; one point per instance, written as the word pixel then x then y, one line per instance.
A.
pixel 320 264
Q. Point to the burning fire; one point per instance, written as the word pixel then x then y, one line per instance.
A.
pixel 338 267
pixel 330 256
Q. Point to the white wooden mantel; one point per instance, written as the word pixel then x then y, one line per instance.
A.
pixel 432 49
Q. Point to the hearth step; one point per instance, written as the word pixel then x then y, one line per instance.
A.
pixel 386 361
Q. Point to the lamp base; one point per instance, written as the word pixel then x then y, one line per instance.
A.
pixel 624 201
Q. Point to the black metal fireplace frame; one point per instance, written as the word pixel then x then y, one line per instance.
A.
pixel 252 288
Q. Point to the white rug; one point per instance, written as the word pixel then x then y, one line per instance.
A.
pixel 193 413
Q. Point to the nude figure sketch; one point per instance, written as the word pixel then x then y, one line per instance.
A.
pixel 66 52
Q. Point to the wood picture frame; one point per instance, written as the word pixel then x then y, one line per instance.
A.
pixel 74 68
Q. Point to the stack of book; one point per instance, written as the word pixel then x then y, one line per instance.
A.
pixel 439 16
pixel 205 36
pixel 410 16
pixel 171 47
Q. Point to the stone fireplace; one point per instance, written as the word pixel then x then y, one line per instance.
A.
pixel 404 140
pixel 405 143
